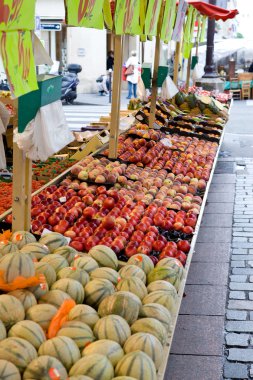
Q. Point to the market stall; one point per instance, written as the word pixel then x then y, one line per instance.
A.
pixel 95 288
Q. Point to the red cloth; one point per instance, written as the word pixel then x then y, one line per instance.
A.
pixel 212 11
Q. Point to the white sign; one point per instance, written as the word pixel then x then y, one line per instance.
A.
pixel 81 52
pixel 182 8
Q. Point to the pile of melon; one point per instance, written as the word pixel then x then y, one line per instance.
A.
pixel 116 330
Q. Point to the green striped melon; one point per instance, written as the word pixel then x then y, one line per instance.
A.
pixel 107 274
pixel 67 252
pixel 39 290
pixel 124 378
pixel 30 331
pixel 112 327
pixel 130 271
pixel 3 333
pixel 172 275
pixel 147 343
pixel 75 273
pixel 8 247
pixel 125 304
pixel 17 351
pixel 142 261
pixel 55 297
pixel 151 326
pixel 56 261
pixel 11 310
pixel 8 371
pixel 169 262
pixel 157 311
pixel 21 238
pixel 47 270
pixel 85 262
pixel 133 285
pixel 45 368
pixel 96 290
pixel 53 241
pixel 160 285
pixel 26 297
pixel 162 297
pixel 96 366
pixel 85 314
pixel 104 256
pixel 79 377
pixel 37 249
pixel 81 333
pixel 16 264
pixel 41 314
pixel 71 287
pixel 62 348
pixel 138 365
pixel 112 350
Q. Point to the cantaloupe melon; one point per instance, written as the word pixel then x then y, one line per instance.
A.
pixel 107 274
pixel 17 351
pixel 157 311
pixel 133 285
pixel 81 333
pixel 125 304
pixel 48 270
pixel 16 264
pixel 38 250
pixel 146 343
pixel 162 297
pixel 62 348
pixel 96 366
pixel 75 273
pixel 138 365
pixel 56 261
pixel 96 290
pixel 160 285
pixel 104 256
pixel 85 314
pixel 71 287
pixel 8 247
pixel 41 314
pixel 112 327
pixel 151 326
pixel 172 275
pixel 112 350
pixel 21 238
pixel 142 261
pixel 53 241
pixel 3 333
pixel 169 262
pixel 54 297
pixel 124 378
pixel 130 271
pixel 8 371
pixel 85 262
pixel 30 331
pixel 46 368
pixel 11 310
pixel 67 252
pixel 39 290
pixel 26 297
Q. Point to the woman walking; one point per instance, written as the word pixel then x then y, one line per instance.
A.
pixel 132 74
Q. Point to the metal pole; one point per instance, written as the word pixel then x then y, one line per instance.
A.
pixel 110 86
pixel 210 71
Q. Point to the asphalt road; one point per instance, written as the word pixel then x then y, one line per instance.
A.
pixel 238 139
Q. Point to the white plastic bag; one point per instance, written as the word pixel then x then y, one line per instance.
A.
pixel 169 89
pixel 197 72
pixel 46 134
pixel 141 91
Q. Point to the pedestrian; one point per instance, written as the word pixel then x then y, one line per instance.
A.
pixel 132 74
pixel 110 60
pixel 103 85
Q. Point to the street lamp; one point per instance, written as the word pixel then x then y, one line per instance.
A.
pixel 209 68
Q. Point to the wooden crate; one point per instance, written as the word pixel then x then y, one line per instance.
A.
pixel 245 76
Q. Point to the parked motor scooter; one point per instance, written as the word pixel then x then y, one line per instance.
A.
pixel 70 82
pixel 4 86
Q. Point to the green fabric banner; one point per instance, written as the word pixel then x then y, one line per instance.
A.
pixel 87 13
pixel 17 55
pixel 152 17
pixel 188 31
pixel 203 29
pixel 17 14
pixel 127 17
pixel 169 18
pixel 107 14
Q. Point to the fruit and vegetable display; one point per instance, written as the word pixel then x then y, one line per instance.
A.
pixel 51 168
pixel 71 315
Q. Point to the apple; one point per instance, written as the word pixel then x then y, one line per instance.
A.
pixel 89 213
pixel 184 245
pixel 190 222
pixel 53 220
pixel 188 230
pixel 181 256
pixel 109 203
pixel 158 245
pixel 70 233
pixel 108 222
pixel 77 245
